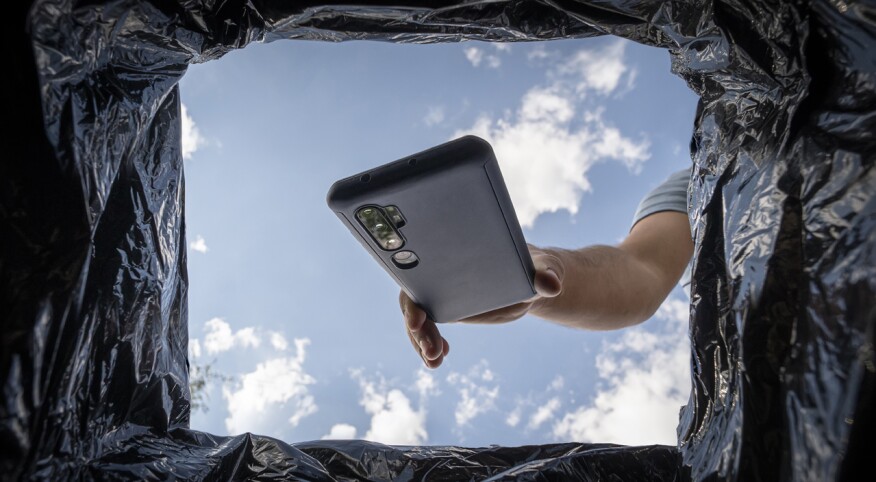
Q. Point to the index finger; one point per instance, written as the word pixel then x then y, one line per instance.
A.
pixel 501 315
pixel 414 316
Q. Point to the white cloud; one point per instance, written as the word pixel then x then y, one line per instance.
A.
pixel 599 70
pixel 476 396
pixel 246 338
pixel 631 81
pixel 675 310
pixel 393 420
pixel 539 53
pixel 513 417
pixel 477 56
pixel 646 380
pixel 557 383
pixel 221 338
pixel 396 422
pixel 546 105
pixel 434 116
pixel 613 145
pixel 474 55
pixel 192 140
pixel 543 413
pixel 426 385
pixel 340 431
pixel 502 46
pixel 277 386
pixel 194 348
pixel 199 244
pixel 548 145
pixel 278 341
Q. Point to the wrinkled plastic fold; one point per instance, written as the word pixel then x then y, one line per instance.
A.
pixel 93 262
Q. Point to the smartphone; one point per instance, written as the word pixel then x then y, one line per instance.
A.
pixel 441 223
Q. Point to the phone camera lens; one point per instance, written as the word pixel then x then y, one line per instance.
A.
pixel 381 227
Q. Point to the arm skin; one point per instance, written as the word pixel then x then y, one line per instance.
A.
pixel 593 288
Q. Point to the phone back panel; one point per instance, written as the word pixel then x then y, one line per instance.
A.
pixel 459 221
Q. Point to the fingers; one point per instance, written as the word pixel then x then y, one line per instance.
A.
pixel 548 283
pixel 429 341
pixel 423 333
pixel 502 315
pixel 445 349
pixel 414 316
pixel 549 271
pixel 430 345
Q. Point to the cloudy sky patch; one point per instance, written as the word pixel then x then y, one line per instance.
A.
pixel 579 137
pixel 192 140
pixel 645 381
pixel 277 386
pixel 548 145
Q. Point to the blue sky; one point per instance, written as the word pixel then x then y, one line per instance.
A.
pixel 305 326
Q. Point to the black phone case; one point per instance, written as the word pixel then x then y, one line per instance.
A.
pixel 459 221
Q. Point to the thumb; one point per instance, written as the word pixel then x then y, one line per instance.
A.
pixel 548 275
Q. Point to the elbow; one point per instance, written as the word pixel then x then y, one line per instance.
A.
pixel 643 303
pixel 625 315
pixel 635 314
pixel 647 310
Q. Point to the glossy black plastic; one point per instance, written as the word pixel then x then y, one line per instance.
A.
pixel 93 284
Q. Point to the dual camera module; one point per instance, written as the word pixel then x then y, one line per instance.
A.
pixel 383 223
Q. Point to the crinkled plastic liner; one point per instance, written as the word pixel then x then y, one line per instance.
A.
pixel 93 265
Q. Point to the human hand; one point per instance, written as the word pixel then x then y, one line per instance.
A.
pixel 432 347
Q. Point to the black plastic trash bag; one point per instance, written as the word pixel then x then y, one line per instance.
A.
pixel 93 264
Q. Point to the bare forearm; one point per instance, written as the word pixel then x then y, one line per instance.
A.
pixel 604 288
pixel 608 287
